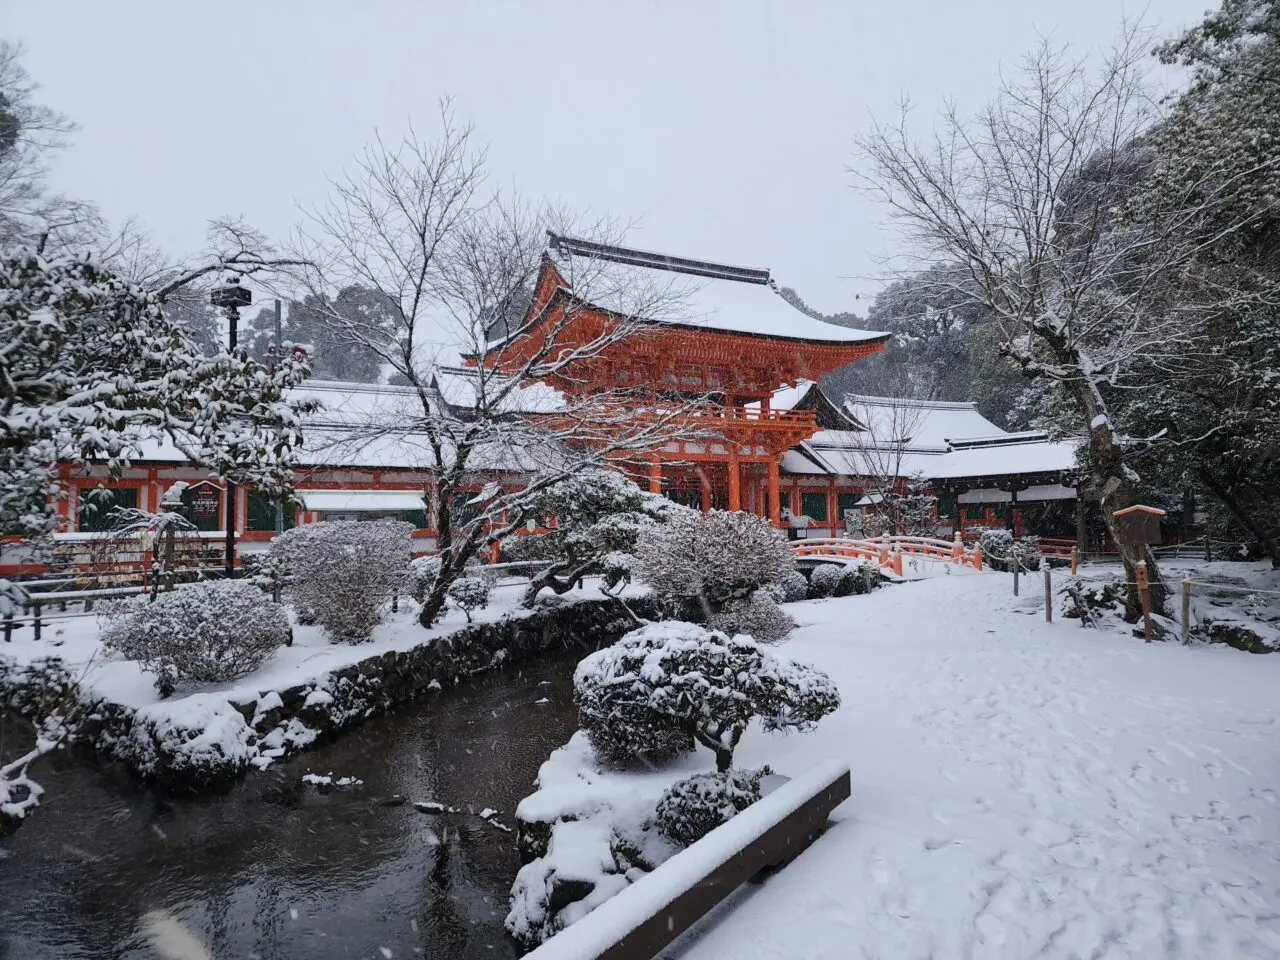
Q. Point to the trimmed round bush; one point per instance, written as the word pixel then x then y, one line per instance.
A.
pixel 825 579
pixel 470 593
pixel 693 807
pixel 671 678
pixel 197 634
pixel 794 587
pixel 758 617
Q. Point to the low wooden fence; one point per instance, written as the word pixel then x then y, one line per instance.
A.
pixel 642 919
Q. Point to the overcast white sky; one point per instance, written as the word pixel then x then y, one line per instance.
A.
pixel 724 128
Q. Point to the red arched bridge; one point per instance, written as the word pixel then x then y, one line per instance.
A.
pixel 888 552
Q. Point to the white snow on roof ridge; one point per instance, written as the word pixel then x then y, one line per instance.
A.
pixel 875 401
pixel 720 302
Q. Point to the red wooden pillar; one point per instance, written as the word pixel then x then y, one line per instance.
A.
pixel 655 476
pixel 775 508
pixel 735 480
pixel 831 506
pixel 706 490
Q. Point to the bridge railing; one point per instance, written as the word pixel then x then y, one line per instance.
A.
pixel 889 551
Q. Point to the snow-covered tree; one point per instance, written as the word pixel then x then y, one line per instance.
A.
pixel 1212 422
pixel 596 514
pixel 470 593
pixel 1027 199
pixel 704 560
pixel 93 369
pixel 198 634
pixel 30 135
pixel 942 349
pixel 450 263
pixel 701 682
pixel 345 572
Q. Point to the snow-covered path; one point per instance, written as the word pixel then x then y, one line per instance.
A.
pixel 1022 790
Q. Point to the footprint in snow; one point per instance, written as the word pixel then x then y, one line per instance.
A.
pixel 879 868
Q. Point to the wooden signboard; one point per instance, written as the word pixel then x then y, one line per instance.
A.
pixel 204 503
pixel 1139 525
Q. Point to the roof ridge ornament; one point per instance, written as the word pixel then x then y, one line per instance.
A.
pixel 656 261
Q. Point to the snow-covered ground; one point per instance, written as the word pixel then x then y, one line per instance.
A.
pixel 1020 790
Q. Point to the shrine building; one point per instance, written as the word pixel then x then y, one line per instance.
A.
pixel 720 340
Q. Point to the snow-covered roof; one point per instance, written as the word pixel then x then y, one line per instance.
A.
pixel 694 293
pixel 924 424
pixel 356 426
pixel 927 449
pixel 458 386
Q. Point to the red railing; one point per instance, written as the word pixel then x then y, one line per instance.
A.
pixel 889 551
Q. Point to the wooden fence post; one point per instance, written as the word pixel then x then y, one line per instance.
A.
pixel 1186 611
pixel 1016 567
pixel 1146 600
pixel 1075 559
pixel 1048 594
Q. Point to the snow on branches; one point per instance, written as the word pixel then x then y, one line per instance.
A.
pixel 345 571
pixel 470 593
pixel 599 515
pixel 711 558
pixel 92 369
pixel 679 678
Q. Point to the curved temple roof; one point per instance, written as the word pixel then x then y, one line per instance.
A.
pixel 690 293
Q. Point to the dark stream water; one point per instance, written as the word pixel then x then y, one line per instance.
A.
pixel 277 869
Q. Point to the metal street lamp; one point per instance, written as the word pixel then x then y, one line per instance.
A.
pixel 230 298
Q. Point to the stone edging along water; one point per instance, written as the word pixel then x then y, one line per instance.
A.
pixel 205 740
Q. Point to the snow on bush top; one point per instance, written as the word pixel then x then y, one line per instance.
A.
pixel 470 593
pixel 707 683
pixel 693 807
pixel 344 571
pixel 201 633
pixel 714 556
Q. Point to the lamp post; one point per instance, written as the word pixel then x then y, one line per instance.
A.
pixel 231 297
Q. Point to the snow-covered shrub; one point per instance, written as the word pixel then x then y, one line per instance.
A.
pixel 825 579
pixel 792 587
pixel 693 807
pixel 1000 550
pixel 202 633
pixel 345 571
pixel 711 558
pixel 422 574
pixel 679 676
pixel 863 578
pixel 758 616
pixel 622 729
pixel 470 593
